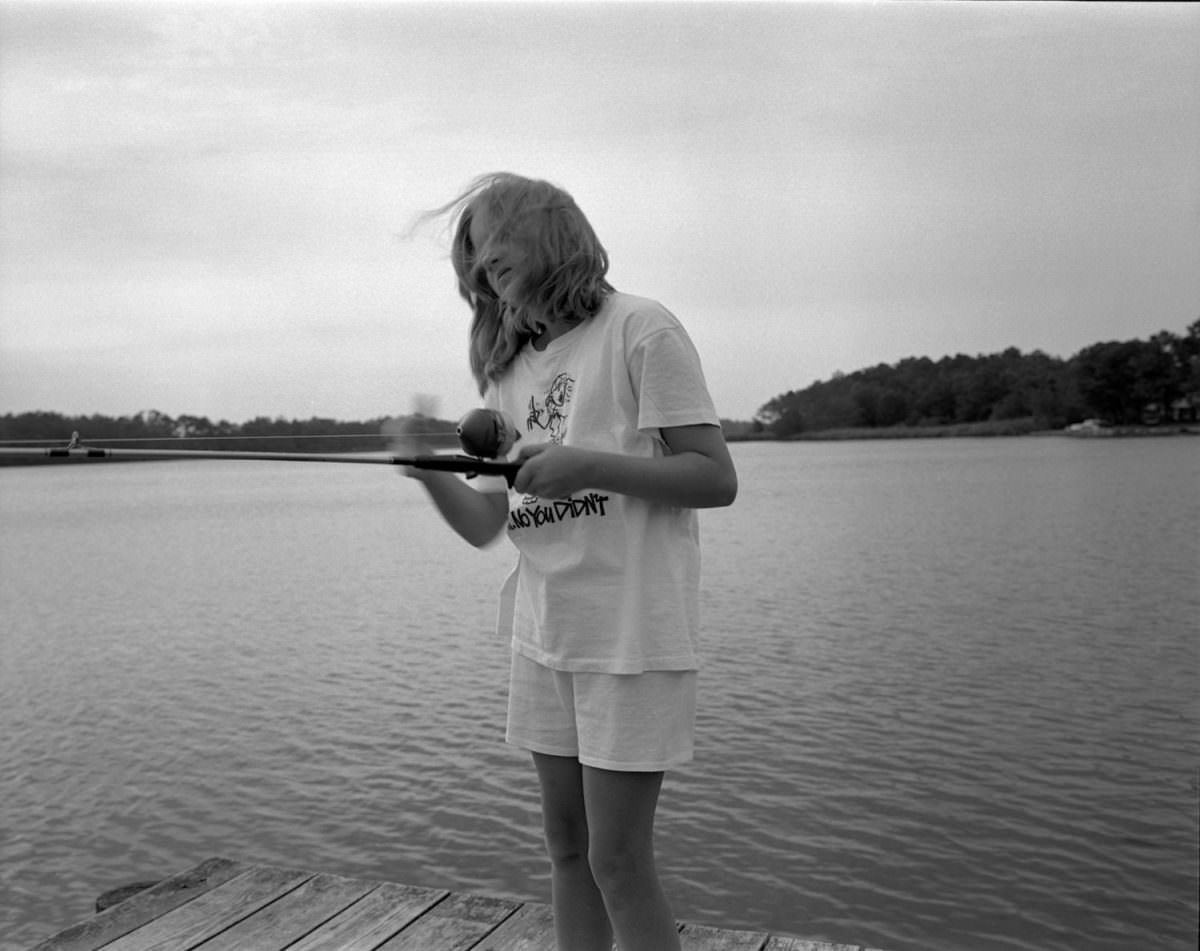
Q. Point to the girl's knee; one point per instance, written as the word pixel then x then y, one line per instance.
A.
pixel 566 838
pixel 622 870
pixel 564 813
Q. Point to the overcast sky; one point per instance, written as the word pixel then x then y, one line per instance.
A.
pixel 203 208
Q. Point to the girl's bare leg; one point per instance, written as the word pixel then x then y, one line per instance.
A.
pixel 580 918
pixel 620 817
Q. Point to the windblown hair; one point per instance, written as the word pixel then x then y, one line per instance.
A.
pixel 565 274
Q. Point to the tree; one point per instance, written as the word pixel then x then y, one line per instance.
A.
pixel 1114 380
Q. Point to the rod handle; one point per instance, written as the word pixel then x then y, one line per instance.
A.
pixel 465 465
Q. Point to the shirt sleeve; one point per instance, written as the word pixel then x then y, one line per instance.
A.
pixel 668 379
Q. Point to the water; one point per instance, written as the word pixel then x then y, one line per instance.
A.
pixel 950 702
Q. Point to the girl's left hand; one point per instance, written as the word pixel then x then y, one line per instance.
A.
pixel 550 471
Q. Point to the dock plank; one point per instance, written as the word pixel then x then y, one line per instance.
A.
pixel 456 924
pixel 207 915
pixel 786 943
pixel 291 917
pixel 120 920
pixel 368 923
pixel 703 938
pixel 530 928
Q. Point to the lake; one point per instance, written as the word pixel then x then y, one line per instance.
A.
pixel 950 698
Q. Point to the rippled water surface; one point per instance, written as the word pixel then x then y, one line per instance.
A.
pixel 950 700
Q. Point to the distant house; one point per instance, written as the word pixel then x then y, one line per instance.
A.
pixel 1186 409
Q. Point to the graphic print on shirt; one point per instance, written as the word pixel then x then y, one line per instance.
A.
pixel 550 415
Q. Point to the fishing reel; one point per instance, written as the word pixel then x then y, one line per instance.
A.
pixel 486 433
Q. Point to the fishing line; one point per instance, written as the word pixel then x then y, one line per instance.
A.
pixel 174 439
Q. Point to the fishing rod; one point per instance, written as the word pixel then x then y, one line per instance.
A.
pixel 483 434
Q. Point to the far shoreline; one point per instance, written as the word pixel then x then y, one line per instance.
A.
pixel 990 429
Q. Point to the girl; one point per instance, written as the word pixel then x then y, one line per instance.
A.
pixel 619 445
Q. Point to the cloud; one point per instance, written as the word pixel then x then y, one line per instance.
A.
pixel 810 187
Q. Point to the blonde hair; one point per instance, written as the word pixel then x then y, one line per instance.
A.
pixel 567 266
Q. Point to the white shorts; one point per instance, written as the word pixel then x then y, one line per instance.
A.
pixel 630 722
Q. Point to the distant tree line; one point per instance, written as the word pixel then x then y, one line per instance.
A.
pixel 153 429
pixel 1119 382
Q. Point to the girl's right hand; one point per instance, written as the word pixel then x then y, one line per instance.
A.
pixel 406 438
pixel 478 517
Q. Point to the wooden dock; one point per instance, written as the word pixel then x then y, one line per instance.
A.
pixel 225 905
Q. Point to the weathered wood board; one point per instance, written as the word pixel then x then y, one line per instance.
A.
pixel 224 905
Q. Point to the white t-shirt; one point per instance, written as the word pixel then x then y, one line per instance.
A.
pixel 605 582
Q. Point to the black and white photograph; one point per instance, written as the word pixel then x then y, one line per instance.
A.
pixel 599 475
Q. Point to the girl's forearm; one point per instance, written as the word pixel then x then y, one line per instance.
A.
pixel 478 517
pixel 686 479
